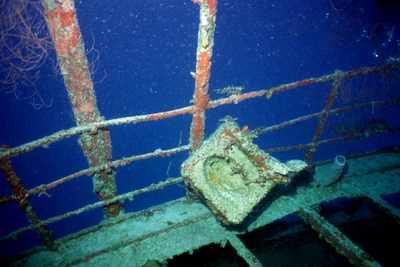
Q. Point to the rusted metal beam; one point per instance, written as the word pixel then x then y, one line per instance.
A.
pixel 66 34
pixel 21 199
pixel 205 43
pixel 309 155
pixel 342 244
pixel 243 251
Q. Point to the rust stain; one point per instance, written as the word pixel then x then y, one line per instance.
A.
pixel 212 6
pixel 202 78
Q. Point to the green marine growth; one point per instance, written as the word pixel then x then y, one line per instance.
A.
pixel 232 175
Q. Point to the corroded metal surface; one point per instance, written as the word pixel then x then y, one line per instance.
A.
pixel 337 239
pixel 217 169
pixel 117 199
pixel 232 174
pixel 23 203
pixel 309 155
pixel 205 43
pixel 71 56
pixel 182 225
pixel 243 251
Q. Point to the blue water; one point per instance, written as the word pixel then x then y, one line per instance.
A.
pixel 142 53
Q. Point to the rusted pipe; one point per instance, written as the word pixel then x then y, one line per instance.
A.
pixel 205 43
pixel 21 198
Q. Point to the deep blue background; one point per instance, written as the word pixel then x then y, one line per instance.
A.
pixel 142 53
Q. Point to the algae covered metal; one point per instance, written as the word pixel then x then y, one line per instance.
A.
pixel 232 174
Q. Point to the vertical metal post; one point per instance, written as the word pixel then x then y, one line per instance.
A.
pixel 65 32
pixel 20 195
pixel 309 155
pixel 208 10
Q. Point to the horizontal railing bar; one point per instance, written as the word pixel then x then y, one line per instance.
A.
pixel 120 198
pixel 330 140
pixel 93 127
pixel 259 131
pixel 234 99
pixel 40 189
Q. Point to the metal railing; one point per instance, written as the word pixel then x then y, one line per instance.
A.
pixel 201 103
pixel 60 135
